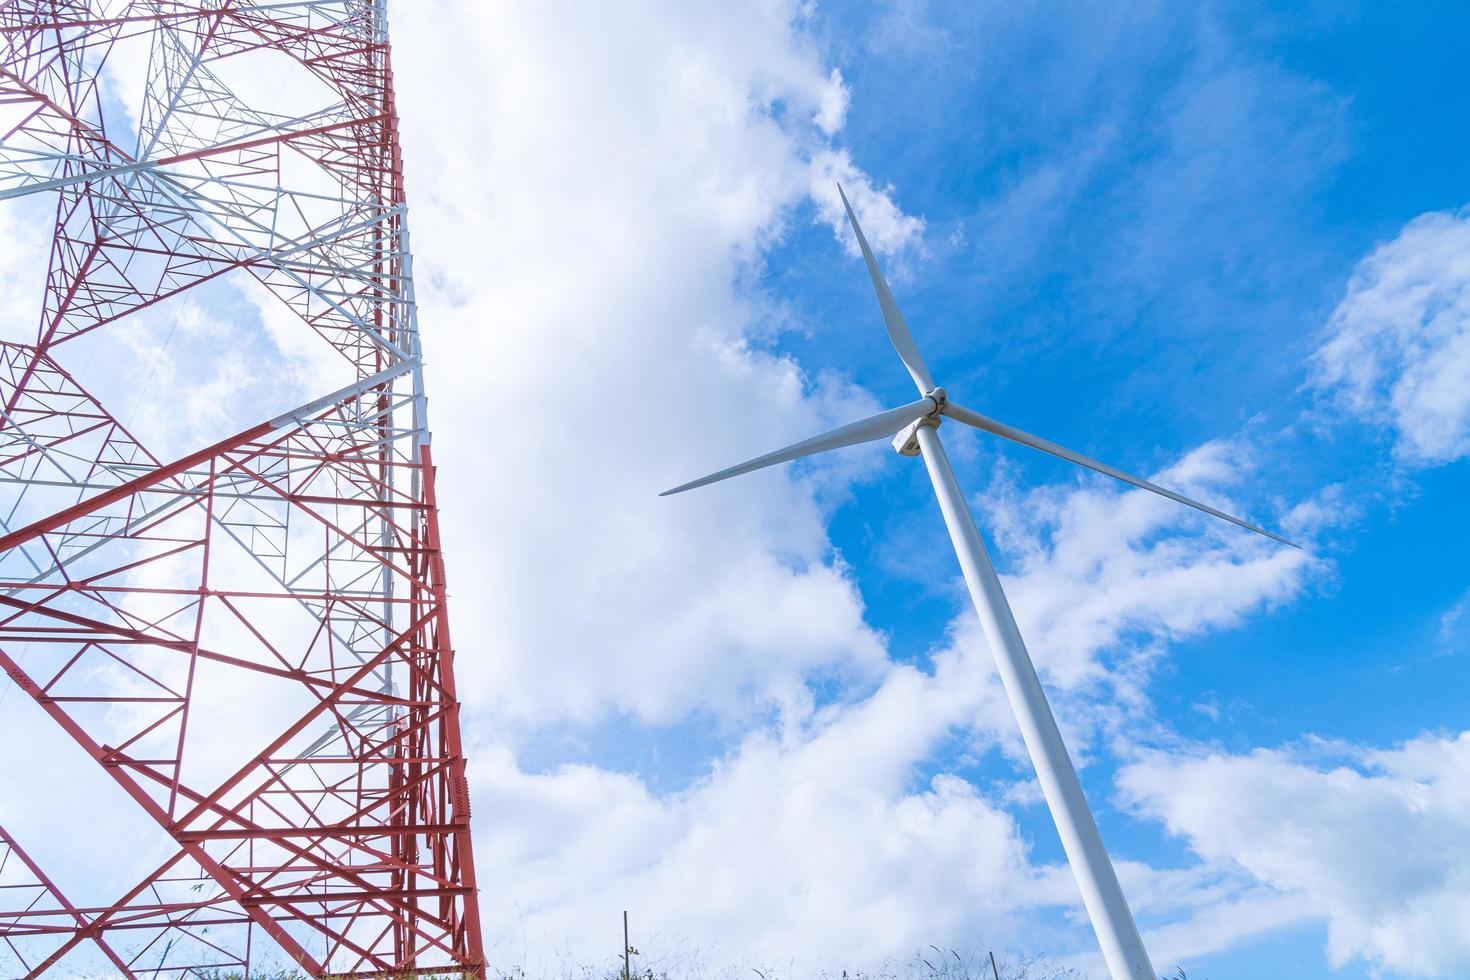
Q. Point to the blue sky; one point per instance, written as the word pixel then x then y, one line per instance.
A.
pixel 1216 245
pixel 1135 230
pixel 1191 241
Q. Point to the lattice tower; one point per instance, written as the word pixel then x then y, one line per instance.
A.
pixel 296 561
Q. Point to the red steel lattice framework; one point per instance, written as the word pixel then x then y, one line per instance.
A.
pixel 299 557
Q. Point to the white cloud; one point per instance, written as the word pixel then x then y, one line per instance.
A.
pixel 804 851
pixel 1397 350
pixel 832 111
pixel 1314 827
pixel 885 226
pixel 581 238
pixel 1103 572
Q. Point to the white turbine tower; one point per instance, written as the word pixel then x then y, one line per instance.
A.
pixel 915 428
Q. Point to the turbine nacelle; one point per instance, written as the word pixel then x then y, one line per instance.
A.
pixel 906 443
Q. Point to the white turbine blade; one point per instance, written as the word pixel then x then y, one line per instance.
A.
pixel 987 424
pixel 898 331
pixel 880 426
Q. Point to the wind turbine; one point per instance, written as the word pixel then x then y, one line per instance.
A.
pixel 915 431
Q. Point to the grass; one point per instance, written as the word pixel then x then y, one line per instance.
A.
pixel 931 963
